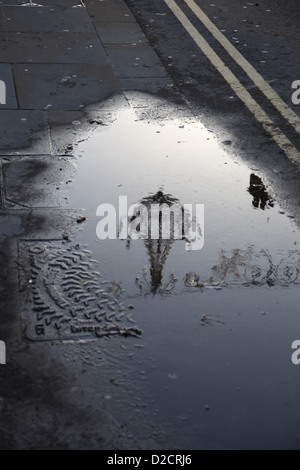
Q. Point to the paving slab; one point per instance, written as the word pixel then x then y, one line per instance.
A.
pixel 51 48
pixel 60 3
pixel 114 103
pixel 7 77
pixel 44 3
pixel 11 227
pixel 38 181
pixel 135 61
pixel 61 118
pixel 156 86
pixel 37 224
pixel 147 107
pixel 2 204
pixel 109 11
pixel 111 105
pixel 2 19
pixel 65 138
pixel 121 33
pixel 63 86
pixel 14 2
pixel 47 20
pixel 69 129
pixel 24 132
pixel 53 224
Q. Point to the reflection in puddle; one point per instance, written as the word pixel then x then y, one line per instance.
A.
pixel 257 189
pixel 158 249
pixel 146 160
pixel 176 161
pixel 250 268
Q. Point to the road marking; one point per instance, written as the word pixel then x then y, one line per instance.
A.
pixel 252 73
pixel 268 124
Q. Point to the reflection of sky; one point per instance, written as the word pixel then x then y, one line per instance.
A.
pixel 138 158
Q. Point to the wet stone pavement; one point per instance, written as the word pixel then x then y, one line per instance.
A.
pixel 129 344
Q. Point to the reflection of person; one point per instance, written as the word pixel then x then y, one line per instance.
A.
pixel 158 250
pixel 257 189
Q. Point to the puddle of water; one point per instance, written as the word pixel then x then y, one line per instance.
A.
pixel 244 226
pixel 217 324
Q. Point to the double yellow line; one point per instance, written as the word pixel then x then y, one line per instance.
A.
pixel 262 117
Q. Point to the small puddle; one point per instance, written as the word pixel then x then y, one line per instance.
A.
pixel 217 323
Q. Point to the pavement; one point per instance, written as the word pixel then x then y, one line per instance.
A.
pixel 56 59
pixel 62 56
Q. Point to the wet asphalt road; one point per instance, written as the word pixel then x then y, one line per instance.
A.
pixel 212 368
pixel 265 33
pixel 267 36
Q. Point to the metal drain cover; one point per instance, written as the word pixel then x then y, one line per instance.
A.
pixel 65 297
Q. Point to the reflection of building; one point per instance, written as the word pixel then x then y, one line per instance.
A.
pixel 159 248
pixel 258 268
pixel 257 189
pixel 249 268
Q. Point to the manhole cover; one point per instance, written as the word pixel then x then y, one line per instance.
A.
pixel 64 295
